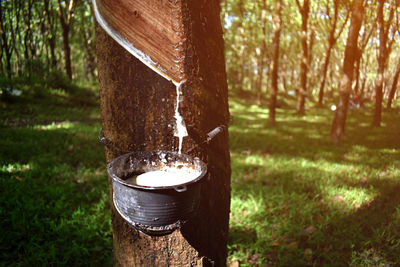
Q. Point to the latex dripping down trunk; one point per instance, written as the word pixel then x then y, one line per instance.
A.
pixel 141 45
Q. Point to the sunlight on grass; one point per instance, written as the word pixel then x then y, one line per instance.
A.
pixel 55 125
pixel 300 199
pixel 16 167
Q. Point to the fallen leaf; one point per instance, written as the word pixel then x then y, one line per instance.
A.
pixel 275 244
pixel 339 198
pixel 18 178
pixel 308 253
pixel 293 245
pixel 253 259
pixel 309 230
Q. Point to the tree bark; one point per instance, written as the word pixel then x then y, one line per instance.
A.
pixel 51 36
pixel 65 16
pixel 332 39
pixel 261 59
pixel 394 86
pixel 242 50
pixel 339 121
pixel 5 42
pixel 275 62
pixel 383 56
pixel 137 107
pixel 67 51
pixel 304 10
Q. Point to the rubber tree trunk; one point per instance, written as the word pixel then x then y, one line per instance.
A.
pixel 301 98
pixel 394 86
pixel 65 15
pixel 51 39
pixel 67 52
pixel 275 63
pixel 384 51
pixel 350 53
pixel 137 108
pixel 261 59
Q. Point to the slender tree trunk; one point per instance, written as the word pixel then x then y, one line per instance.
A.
pixel 304 10
pixel 357 73
pixel 383 56
pixel 6 46
pixel 65 16
pixel 261 60
pixel 324 73
pixel 394 86
pixel 67 51
pixel 275 62
pixel 137 107
pixel 332 39
pixel 339 121
pixel 378 98
pixel 14 31
pixel 51 39
pixel 242 50
pixel 364 83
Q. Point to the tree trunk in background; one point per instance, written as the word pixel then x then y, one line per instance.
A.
pixel 137 107
pixel 383 56
pixel 67 51
pixel 65 16
pixel 394 86
pixel 350 53
pixel 304 10
pixel 275 62
pixel 261 60
pixel 324 72
pixel 5 42
pixel 332 39
pixel 28 38
pixel 357 72
pixel 51 36
pixel 242 51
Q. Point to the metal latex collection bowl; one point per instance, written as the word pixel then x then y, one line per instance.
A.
pixel 155 210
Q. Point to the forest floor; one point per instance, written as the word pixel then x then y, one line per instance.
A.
pixel 298 199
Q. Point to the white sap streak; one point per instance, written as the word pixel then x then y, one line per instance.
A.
pixel 146 59
pixel 168 177
pixel 180 128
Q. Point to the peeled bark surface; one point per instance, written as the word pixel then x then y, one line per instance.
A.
pixel 137 107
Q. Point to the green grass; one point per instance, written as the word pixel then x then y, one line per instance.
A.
pixel 54 205
pixel 298 199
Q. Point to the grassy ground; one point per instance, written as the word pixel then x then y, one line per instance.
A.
pixel 53 188
pixel 297 198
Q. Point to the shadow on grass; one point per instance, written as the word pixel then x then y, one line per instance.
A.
pixel 293 216
pixel 310 201
pixel 54 196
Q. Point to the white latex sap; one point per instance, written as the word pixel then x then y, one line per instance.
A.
pixel 180 128
pixel 170 177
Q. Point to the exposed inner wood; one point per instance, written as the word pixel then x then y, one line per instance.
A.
pixel 151 27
